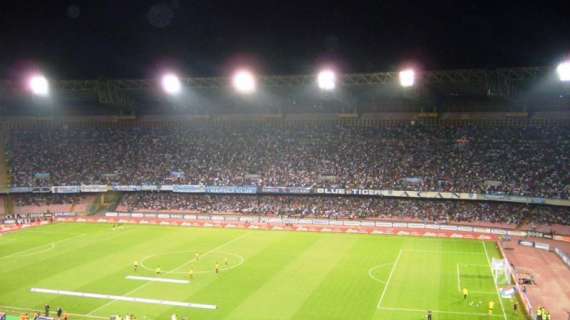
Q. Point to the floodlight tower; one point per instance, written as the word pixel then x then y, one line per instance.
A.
pixel 326 80
pixel 244 81
pixel 407 78
pixel 38 85
pixel 563 71
pixel 171 84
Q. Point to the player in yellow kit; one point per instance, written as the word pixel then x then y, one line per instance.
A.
pixel 217 267
pixel 136 265
pixel 157 271
pixel 491 307
pixel 226 262
pixel 191 274
pixel 465 293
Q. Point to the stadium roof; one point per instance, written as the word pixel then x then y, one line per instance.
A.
pixel 355 89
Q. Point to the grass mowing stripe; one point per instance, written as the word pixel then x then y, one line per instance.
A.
pixel 389 279
pixel 186 263
pixel 496 287
pixel 124 298
pixel 167 280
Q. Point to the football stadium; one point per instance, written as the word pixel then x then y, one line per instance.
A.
pixel 424 191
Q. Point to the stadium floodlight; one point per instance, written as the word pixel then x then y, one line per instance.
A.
pixel 171 83
pixel 244 81
pixel 564 71
pixel 39 85
pixel 326 80
pixel 407 78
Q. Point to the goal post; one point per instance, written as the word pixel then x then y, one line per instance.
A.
pixel 502 272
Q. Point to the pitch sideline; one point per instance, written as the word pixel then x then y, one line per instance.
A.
pixel 18 309
pixel 496 287
pixel 437 311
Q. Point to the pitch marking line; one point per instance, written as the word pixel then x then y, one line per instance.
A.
pixel 496 287
pixel 124 298
pixel 18 309
pixel 458 279
pixel 442 251
pixel 389 279
pixel 437 311
pixel 371 271
pixel 483 292
pixel 167 280
pixel 147 283
pixel 474 265
pixel 51 245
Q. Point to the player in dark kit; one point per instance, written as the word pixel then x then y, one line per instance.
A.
pixel 59 312
pixel 46 309
pixel 428 315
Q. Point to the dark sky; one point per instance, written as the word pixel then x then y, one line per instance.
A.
pixel 130 39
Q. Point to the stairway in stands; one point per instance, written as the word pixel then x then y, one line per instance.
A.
pixel 4 175
pixel 6 202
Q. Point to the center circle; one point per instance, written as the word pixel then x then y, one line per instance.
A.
pixel 181 262
pixel 372 272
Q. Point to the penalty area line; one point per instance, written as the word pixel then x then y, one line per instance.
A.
pixel 167 280
pixel 124 298
pixel 389 279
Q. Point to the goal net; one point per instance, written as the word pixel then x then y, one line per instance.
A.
pixel 502 271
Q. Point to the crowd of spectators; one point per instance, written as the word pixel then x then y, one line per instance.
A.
pixel 24 218
pixel 45 199
pixel 523 161
pixel 442 211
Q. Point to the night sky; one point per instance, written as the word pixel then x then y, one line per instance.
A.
pixel 134 39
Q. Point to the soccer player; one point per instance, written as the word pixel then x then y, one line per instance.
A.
pixel 59 312
pixel 191 274
pixel 136 265
pixel 428 315
pixel 217 267
pixel 46 309
pixel 226 262
pixel 158 271
pixel 491 307
pixel 515 307
pixel 465 293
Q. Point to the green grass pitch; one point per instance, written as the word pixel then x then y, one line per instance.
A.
pixel 268 275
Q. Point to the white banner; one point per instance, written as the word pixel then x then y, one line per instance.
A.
pixel 94 188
